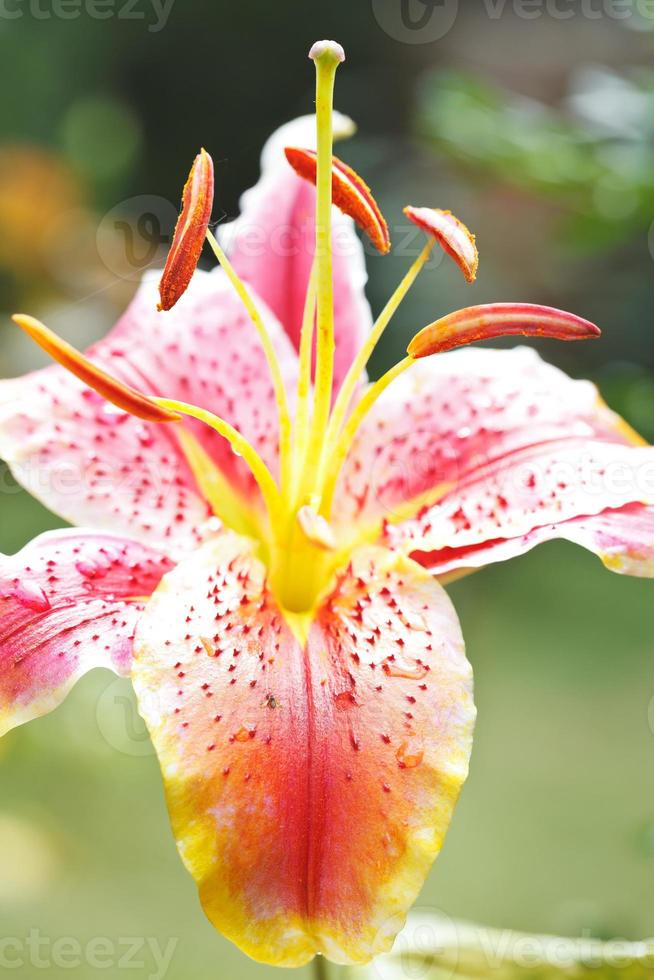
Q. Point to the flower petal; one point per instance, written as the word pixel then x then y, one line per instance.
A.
pixel 499 320
pixel 479 455
pixel 623 539
pixel 95 465
pixel 451 234
pixel 309 785
pixel 272 244
pixel 69 602
pixel 350 194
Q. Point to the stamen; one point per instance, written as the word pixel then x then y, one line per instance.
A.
pixel 193 221
pixel 225 502
pixel 339 453
pixel 451 234
pixel 271 358
pixel 304 376
pixel 350 194
pixel 241 447
pixel 499 320
pixel 122 395
pixel 359 363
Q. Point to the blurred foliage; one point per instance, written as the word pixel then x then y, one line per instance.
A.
pixel 593 158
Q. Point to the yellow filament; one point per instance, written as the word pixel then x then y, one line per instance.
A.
pixel 271 358
pixel 225 502
pixel 304 377
pixel 359 363
pixel 241 447
pixel 337 457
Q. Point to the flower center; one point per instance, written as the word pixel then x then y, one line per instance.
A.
pixel 298 544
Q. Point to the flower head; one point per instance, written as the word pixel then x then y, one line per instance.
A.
pixel 268 569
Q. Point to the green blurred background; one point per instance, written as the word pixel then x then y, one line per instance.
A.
pixel 536 130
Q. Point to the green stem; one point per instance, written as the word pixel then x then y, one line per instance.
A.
pixel 320 968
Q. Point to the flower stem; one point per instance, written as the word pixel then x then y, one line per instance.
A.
pixel 320 968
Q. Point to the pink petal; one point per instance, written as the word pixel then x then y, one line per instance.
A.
pixel 511 451
pixel 95 465
pixel 516 496
pixel 623 539
pixel 272 246
pixel 309 786
pixel 69 601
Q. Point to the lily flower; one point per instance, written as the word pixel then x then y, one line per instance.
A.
pixel 269 534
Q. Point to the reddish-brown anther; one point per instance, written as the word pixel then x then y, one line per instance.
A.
pixel 499 320
pixel 119 394
pixel 350 194
pixel 451 234
pixel 190 231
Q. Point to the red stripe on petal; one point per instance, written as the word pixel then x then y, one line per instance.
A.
pixel 350 194
pixel 309 785
pixel 190 231
pixel 116 392
pixel 499 320
pixel 451 234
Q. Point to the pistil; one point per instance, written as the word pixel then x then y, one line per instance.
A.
pixel 327 56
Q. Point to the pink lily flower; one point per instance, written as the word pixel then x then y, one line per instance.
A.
pixel 268 541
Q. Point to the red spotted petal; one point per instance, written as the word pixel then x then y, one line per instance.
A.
pixel 190 231
pixel 623 539
pixel 451 234
pixel 98 467
pixel 69 602
pixel 499 320
pixel 115 391
pixel 512 452
pixel 309 785
pixel 349 193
